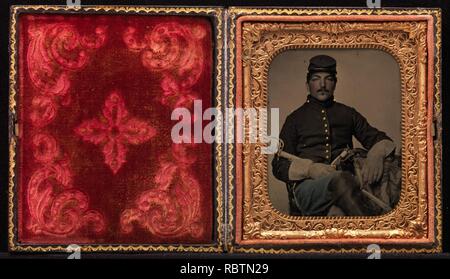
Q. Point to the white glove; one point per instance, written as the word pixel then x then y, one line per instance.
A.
pixel 305 168
pixel 373 167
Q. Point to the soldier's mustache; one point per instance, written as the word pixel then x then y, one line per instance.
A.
pixel 323 91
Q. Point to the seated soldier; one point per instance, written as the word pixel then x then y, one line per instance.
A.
pixel 317 132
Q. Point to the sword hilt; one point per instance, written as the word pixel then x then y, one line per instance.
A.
pixel 284 154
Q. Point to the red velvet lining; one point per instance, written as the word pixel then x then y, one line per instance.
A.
pixel 96 162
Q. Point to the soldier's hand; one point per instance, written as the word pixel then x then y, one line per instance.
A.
pixel 299 169
pixel 372 169
pixel 317 170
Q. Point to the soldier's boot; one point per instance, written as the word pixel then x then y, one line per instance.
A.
pixel 344 190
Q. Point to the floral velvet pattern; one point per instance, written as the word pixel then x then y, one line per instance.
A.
pixel 96 160
pixel 114 131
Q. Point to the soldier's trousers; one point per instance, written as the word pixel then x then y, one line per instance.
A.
pixel 314 197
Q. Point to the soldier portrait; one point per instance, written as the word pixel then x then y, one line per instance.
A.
pixel 338 156
pixel 353 154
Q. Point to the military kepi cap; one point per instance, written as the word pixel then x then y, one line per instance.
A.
pixel 322 63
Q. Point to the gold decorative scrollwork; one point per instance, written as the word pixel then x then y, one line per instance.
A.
pixel 408 42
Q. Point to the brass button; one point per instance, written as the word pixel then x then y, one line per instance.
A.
pixel 323 111
pixel 327 157
pixel 326 151
pixel 324 118
pixel 326 131
pixel 327 138
pixel 326 125
pixel 327 144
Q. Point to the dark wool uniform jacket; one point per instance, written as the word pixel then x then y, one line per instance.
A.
pixel 320 131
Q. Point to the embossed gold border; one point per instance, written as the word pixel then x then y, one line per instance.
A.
pixel 422 163
pixel 217 15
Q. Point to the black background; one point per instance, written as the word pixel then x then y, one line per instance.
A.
pixel 180 259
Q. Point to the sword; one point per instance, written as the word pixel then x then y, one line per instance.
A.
pixel 291 157
pixel 376 200
pixel 335 162
pixel 285 154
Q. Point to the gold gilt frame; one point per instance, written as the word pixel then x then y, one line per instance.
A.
pixel 413 38
pixel 216 16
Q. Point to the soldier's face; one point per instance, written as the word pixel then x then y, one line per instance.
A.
pixel 321 86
